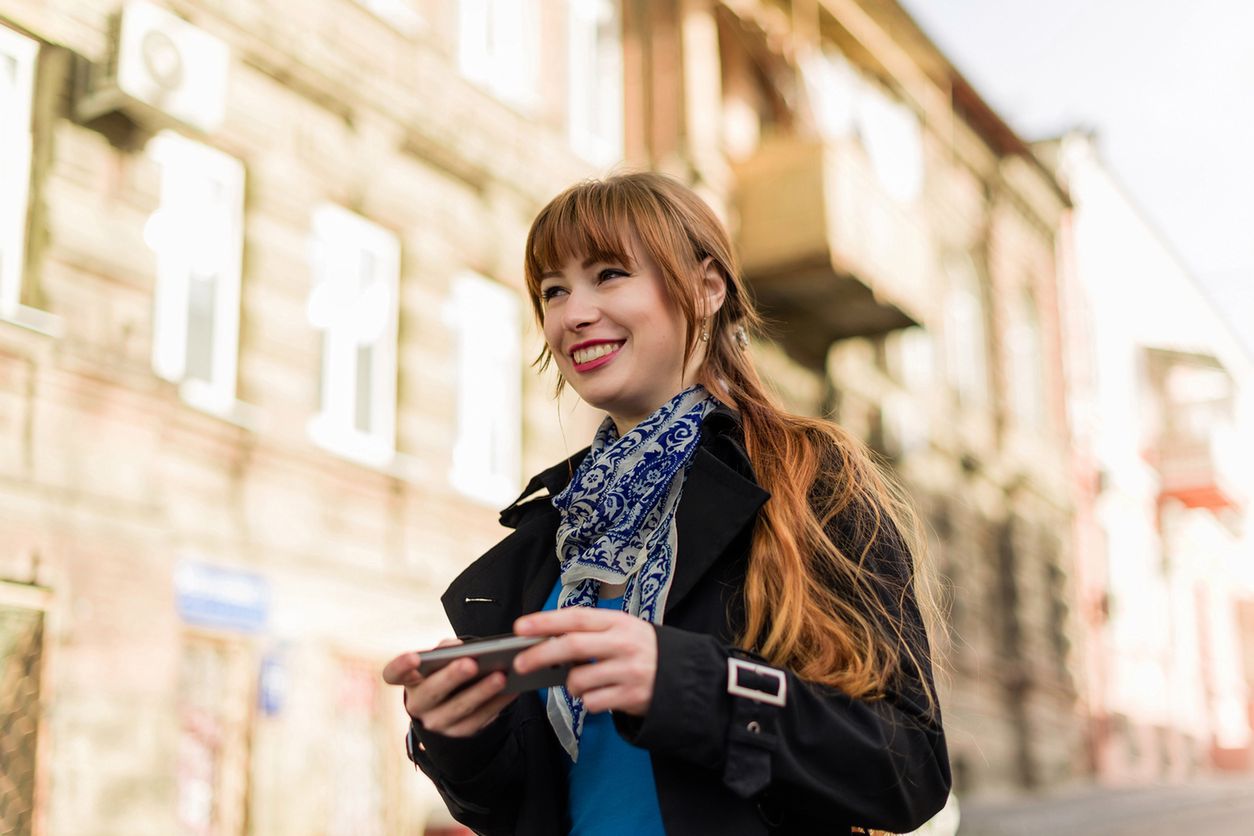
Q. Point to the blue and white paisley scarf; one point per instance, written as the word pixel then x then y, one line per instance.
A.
pixel 618 524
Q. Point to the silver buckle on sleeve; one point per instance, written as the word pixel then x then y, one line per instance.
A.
pixel 735 666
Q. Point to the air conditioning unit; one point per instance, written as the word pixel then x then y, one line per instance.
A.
pixel 162 72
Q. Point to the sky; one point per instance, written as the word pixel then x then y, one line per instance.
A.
pixel 1168 85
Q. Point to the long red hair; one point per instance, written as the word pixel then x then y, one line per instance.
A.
pixel 812 602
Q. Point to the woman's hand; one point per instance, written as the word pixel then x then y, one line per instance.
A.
pixel 430 700
pixel 623 649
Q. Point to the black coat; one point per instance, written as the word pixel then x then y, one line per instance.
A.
pixel 723 764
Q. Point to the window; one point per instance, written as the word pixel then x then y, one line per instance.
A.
pixel 843 103
pixel 1026 363
pixel 356 267
pixel 832 86
pixel 499 47
pixel 965 344
pixel 893 139
pixel 486 457
pixel 21 703
pixel 596 80
pixel 17 72
pixel 198 235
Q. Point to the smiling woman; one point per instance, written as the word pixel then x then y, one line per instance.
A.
pixel 735 586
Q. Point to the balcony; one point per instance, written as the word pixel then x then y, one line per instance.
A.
pixel 1196 471
pixel 1195 446
pixel 829 252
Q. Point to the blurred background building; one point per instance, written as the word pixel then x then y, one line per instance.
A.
pixel 1158 389
pixel 261 304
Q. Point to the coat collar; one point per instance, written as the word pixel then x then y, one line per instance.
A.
pixel 516 576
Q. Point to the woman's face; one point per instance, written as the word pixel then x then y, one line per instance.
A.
pixel 615 335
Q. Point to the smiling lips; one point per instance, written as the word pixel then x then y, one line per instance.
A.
pixel 588 357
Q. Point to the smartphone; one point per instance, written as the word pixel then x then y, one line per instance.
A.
pixel 496 653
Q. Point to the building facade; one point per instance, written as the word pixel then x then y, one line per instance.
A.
pixel 264 352
pixel 904 241
pixel 1160 388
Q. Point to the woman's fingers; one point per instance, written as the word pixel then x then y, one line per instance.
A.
pixel 447 716
pixel 436 688
pixel 480 717
pixel 624 649
pixel 617 686
pixel 580 634
pixel 613 635
pixel 571 647
pixel 585 678
pixel 567 620
pixel 615 698
pixel 403 670
pixel 444 702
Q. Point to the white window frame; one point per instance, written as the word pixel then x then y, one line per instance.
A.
pixel 595 80
pixel 487 451
pixel 351 317
pixel 15 161
pixel 893 139
pixel 499 48
pixel 197 230
pixel 833 86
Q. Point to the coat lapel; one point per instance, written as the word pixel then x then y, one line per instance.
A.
pixel 716 505
pixel 512 578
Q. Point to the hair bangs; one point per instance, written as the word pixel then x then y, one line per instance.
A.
pixel 591 220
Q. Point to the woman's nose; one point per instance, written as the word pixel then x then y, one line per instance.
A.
pixel 580 311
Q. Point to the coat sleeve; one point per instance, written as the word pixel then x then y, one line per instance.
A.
pixel 479 777
pixel 822 754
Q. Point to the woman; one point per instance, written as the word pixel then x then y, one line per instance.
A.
pixel 741 578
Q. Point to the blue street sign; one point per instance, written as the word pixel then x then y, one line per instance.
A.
pixel 227 599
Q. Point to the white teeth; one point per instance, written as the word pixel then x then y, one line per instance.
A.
pixel 587 355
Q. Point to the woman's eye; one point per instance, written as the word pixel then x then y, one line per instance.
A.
pixel 610 273
pixel 549 292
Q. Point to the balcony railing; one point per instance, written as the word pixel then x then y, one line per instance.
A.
pixel 1196 471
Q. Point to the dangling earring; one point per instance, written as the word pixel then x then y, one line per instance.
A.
pixel 705 330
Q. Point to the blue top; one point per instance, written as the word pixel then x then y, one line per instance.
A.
pixel 611 785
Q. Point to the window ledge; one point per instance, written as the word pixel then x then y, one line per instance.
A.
pixel 489 491
pixel 366 452
pixel 34 319
pixel 398 15
pixel 404 467
pixel 245 416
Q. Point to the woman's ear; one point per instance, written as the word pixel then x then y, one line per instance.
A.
pixel 713 287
